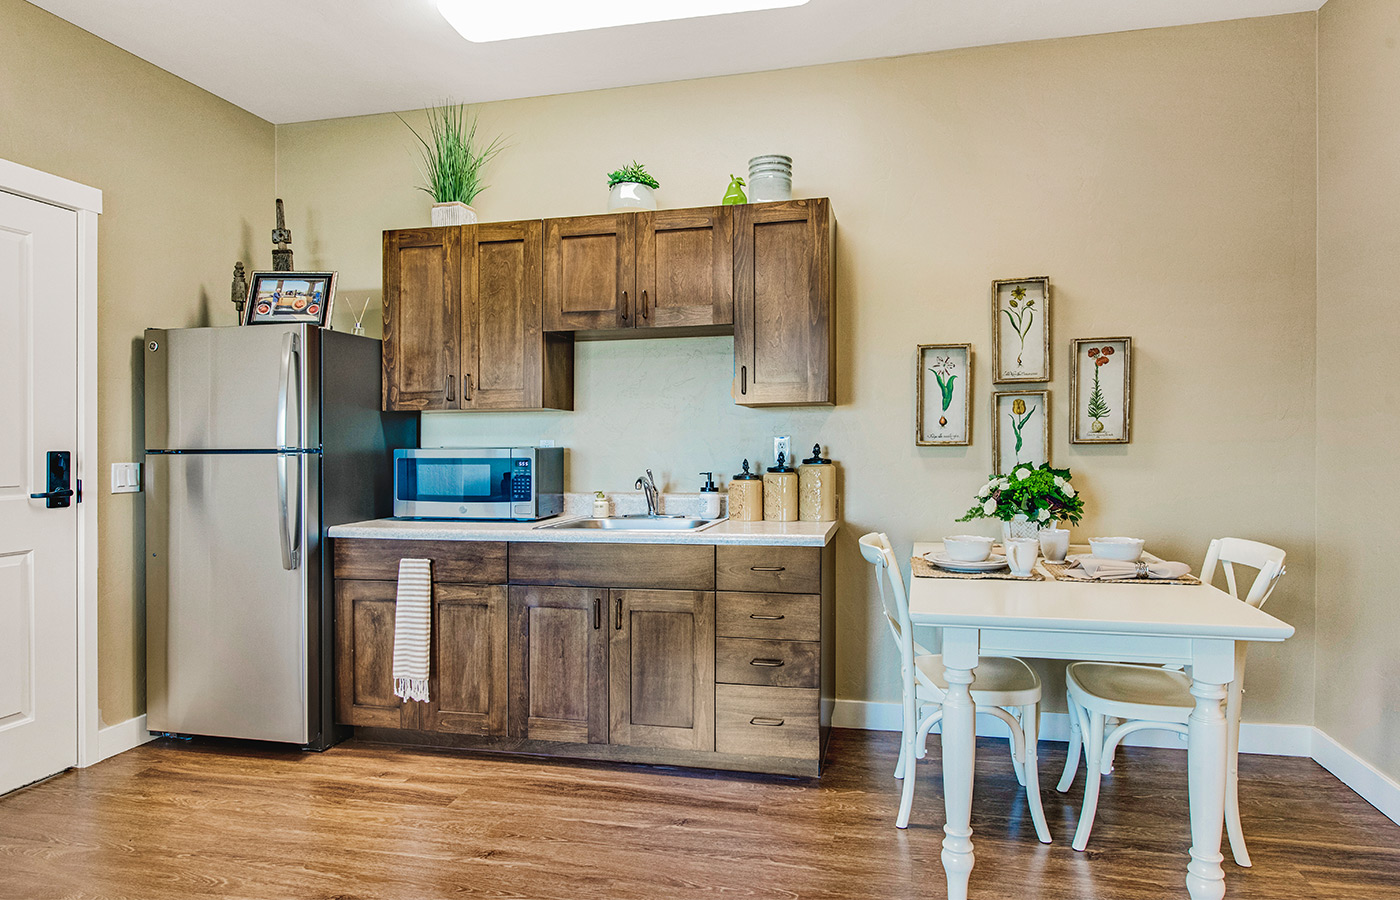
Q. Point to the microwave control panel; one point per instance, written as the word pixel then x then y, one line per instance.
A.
pixel 520 487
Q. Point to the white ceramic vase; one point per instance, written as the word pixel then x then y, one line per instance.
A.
pixel 454 213
pixel 628 195
pixel 1020 527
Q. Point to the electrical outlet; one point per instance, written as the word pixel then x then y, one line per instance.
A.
pixel 546 442
pixel 783 445
pixel 126 478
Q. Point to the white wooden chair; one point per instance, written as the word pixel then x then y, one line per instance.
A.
pixel 1005 687
pixel 1143 697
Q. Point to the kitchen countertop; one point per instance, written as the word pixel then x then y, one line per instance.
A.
pixel 762 534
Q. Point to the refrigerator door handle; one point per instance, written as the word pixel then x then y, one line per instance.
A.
pixel 284 388
pixel 289 509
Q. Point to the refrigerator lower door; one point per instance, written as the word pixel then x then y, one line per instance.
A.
pixel 226 620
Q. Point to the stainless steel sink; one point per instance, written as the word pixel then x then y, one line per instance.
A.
pixel 637 523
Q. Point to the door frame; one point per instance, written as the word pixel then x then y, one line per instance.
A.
pixel 87 203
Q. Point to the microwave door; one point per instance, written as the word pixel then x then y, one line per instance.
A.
pixel 456 487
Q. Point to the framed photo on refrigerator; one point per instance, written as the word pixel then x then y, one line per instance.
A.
pixel 284 297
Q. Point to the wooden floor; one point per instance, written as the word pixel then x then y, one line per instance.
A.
pixel 218 819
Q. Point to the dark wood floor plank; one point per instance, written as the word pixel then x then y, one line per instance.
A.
pixel 207 819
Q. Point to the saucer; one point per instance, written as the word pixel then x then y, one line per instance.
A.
pixel 943 561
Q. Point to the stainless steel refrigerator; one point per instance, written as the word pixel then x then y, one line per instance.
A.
pixel 258 439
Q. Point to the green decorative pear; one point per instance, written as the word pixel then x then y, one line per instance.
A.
pixel 735 195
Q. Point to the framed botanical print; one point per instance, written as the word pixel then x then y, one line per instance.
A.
pixel 1101 389
pixel 943 409
pixel 1021 330
pixel 290 297
pixel 1020 429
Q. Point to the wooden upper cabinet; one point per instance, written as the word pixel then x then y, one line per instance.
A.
pixel 685 267
pixel 784 304
pixel 589 272
pixel 507 362
pixel 421 303
pixel 662 669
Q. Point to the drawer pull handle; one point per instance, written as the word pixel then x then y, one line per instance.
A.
pixel 767 663
pixel 764 618
pixel 767 568
pixel 764 720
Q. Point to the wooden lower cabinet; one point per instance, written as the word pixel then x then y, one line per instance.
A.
pixel 693 655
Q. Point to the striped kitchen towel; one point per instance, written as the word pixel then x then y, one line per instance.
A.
pixel 413 622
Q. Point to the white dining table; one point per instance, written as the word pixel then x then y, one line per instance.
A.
pixel 1192 625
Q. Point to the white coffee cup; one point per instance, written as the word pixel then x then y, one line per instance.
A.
pixel 1021 554
pixel 1054 544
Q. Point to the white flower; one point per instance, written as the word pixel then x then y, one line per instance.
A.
pixel 989 507
pixel 1068 489
pixel 1059 482
pixel 1043 514
pixel 986 489
pixel 1004 483
pixel 1023 473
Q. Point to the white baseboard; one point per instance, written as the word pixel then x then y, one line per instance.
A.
pixel 121 737
pixel 1305 741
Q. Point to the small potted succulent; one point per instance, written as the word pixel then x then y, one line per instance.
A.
pixel 631 188
pixel 1027 499
pixel 452 163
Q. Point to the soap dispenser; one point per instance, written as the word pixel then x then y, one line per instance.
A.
pixel 780 493
pixel 709 497
pixel 746 496
pixel 816 485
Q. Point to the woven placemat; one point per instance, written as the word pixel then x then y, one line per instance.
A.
pixel 1058 573
pixel 922 568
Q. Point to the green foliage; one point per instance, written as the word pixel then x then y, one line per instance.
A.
pixel 452 158
pixel 635 173
pixel 1043 489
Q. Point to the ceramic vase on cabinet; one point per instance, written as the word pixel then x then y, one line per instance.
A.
pixel 453 213
pixel 628 195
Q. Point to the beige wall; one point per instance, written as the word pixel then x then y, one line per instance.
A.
pixel 1358 420
pixel 186 181
pixel 1164 179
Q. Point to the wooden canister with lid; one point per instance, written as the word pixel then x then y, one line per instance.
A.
pixel 746 496
pixel 780 493
pixel 816 488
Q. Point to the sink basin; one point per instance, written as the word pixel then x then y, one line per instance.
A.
pixel 639 523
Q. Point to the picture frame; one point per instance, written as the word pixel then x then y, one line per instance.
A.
pixel 1023 444
pixel 284 297
pixel 1101 405
pixel 943 404
pixel 1021 330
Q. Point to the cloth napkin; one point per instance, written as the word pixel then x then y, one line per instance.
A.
pixel 1115 570
pixel 413 622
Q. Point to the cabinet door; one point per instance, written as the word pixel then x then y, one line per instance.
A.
pixel 364 654
pixel 502 341
pixel 685 267
pixel 421 298
pixel 470 672
pixel 663 669
pixel 784 303
pixel 558 664
pixel 589 276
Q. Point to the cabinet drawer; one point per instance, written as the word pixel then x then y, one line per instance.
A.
pixel 787 570
pixel 774 663
pixel 682 567
pixel 778 617
pixel 767 721
pixel 471 562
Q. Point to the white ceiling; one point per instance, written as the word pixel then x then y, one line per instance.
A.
pixel 297 60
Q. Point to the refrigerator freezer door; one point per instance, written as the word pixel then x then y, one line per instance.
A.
pixel 227 625
pixel 228 388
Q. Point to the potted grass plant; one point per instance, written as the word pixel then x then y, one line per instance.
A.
pixel 631 187
pixel 452 163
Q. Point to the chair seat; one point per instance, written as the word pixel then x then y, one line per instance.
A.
pixel 1130 691
pixel 1000 680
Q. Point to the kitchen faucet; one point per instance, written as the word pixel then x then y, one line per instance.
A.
pixel 648 486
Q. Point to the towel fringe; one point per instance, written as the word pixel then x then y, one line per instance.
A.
pixel 411 689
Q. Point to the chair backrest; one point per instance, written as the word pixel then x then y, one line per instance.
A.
pixel 1229 551
pixel 875 547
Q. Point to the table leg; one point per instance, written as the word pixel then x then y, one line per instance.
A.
pixel 959 741
pixel 1206 764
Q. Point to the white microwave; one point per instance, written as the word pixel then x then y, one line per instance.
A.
pixel 521 483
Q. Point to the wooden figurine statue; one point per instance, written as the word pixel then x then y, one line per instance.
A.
pixel 239 292
pixel 282 239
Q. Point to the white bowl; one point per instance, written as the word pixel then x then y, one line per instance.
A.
pixel 1122 548
pixel 967 547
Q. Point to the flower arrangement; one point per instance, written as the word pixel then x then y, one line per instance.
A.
pixel 1040 493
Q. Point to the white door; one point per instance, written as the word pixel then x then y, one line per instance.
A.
pixel 38 545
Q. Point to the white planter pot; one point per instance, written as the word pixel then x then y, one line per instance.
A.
pixel 454 213
pixel 1019 527
pixel 628 195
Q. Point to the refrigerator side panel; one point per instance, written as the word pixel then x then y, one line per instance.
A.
pixel 227 624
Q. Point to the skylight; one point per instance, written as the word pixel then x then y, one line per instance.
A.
pixel 480 22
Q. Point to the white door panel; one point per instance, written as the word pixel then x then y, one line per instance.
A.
pixel 38 546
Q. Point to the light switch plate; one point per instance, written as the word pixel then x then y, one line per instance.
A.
pixel 783 445
pixel 126 478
